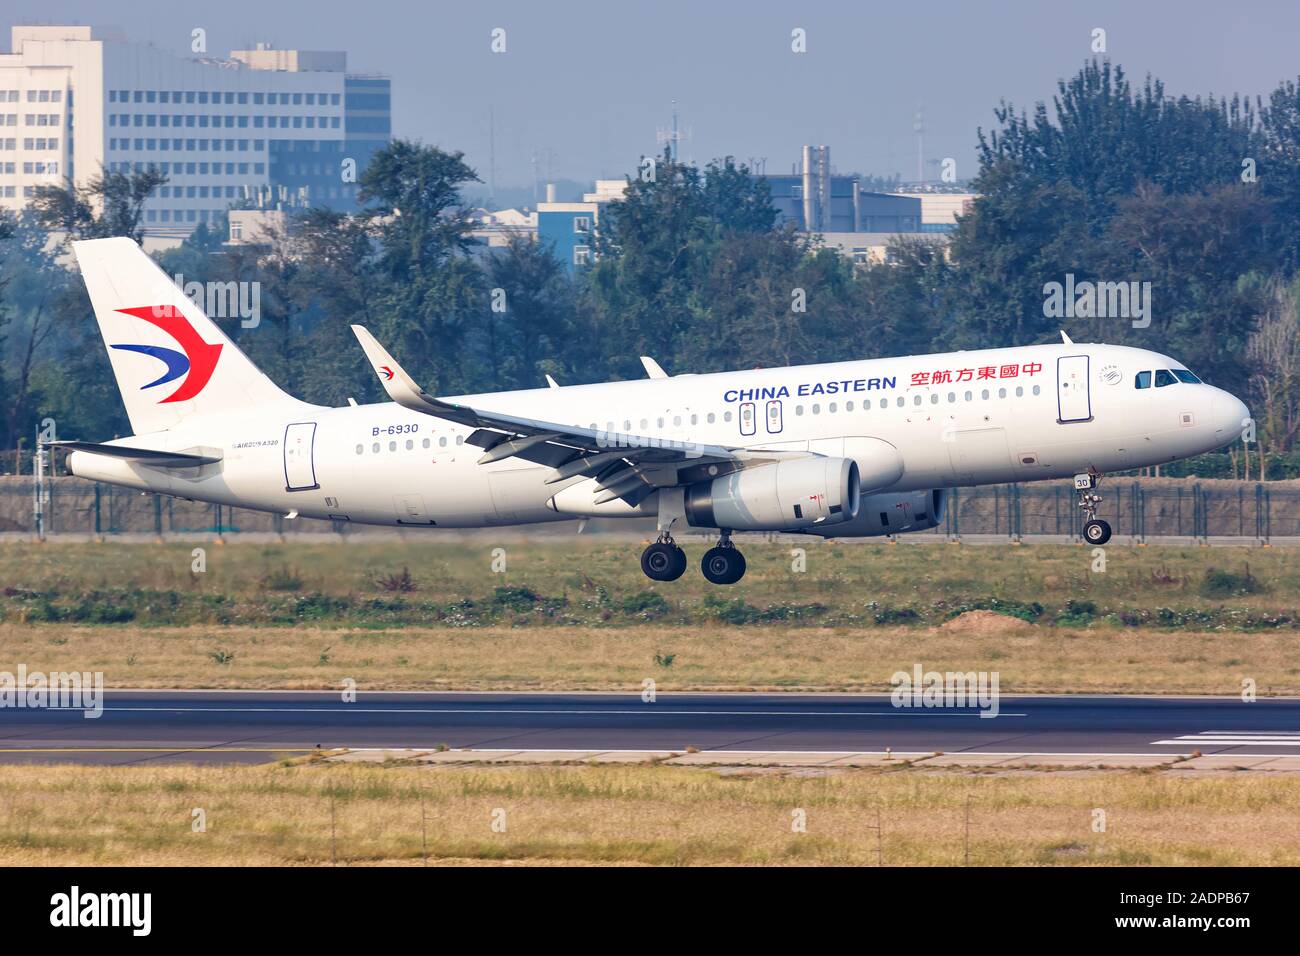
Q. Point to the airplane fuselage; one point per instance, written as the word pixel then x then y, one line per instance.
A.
pixel 956 419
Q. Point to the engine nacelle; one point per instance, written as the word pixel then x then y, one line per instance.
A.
pixel 892 514
pixel 786 495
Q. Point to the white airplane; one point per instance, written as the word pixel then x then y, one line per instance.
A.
pixel 847 449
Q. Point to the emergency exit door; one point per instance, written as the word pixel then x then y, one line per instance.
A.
pixel 748 425
pixel 299 457
pixel 1073 402
pixel 775 424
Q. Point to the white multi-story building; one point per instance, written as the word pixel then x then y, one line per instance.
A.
pixel 265 126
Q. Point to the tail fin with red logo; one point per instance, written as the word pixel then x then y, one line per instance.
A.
pixel 171 361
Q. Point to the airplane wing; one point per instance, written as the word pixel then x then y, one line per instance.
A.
pixel 625 466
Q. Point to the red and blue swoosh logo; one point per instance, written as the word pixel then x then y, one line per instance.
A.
pixel 197 357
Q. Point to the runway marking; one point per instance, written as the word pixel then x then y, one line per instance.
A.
pixel 647 710
pixel 1241 738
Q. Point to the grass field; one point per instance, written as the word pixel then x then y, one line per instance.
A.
pixel 372 814
pixel 579 615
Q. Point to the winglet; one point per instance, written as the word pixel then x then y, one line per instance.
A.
pixel 652 368
pixel 400 387
pixel 1065 338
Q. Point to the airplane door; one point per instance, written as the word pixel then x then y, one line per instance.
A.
pixel 299 457
pixel 747 415
pixel 774 422
pixel 1073 402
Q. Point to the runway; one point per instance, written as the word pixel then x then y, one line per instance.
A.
pixel 229 726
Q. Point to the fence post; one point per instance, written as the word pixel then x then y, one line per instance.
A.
pixel 1013 513
pixel 157 518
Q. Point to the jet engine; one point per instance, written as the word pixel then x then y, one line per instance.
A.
pixel 797 494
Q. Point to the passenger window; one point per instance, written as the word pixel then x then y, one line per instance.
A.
pixel 952 397
pixel 1143 380
pixel 1165 377
pixel 798 409
pixel 900 401
pixel 968 396
pixel 984 394
pixel 866 404
pixel 712 418
pixel 848 406
pixel 1002 393
pixel 832 408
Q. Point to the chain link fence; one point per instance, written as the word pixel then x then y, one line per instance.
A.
pixel 1138 509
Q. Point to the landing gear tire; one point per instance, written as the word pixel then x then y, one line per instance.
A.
pixel 723 565
pixel 663 561
pixel 1096 531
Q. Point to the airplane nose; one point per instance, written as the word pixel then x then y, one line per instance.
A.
pixel 1230 415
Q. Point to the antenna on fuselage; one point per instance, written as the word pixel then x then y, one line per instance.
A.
pixel 1065 338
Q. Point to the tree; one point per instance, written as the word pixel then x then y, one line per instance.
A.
pixel 1274 355
pixel 110 204
pixel 431 294
pixel 530 337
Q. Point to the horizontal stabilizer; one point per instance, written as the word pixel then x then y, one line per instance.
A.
pixel 146 456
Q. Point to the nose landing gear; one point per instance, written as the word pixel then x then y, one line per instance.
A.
pixel 1095 530
pixel 723 564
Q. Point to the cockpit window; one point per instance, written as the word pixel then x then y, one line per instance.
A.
pixel 1165 377
pixel 1143 380
pixel 1184 375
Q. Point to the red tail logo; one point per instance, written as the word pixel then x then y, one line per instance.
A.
pixel 202 355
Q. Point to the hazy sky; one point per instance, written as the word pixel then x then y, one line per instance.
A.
pixel 586 85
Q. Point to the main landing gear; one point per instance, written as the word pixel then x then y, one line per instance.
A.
pixel 665 561
pixel 1095 530
pixel 723 564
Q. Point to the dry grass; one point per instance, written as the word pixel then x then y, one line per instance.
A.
pixel 281 814
pixel 717 658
